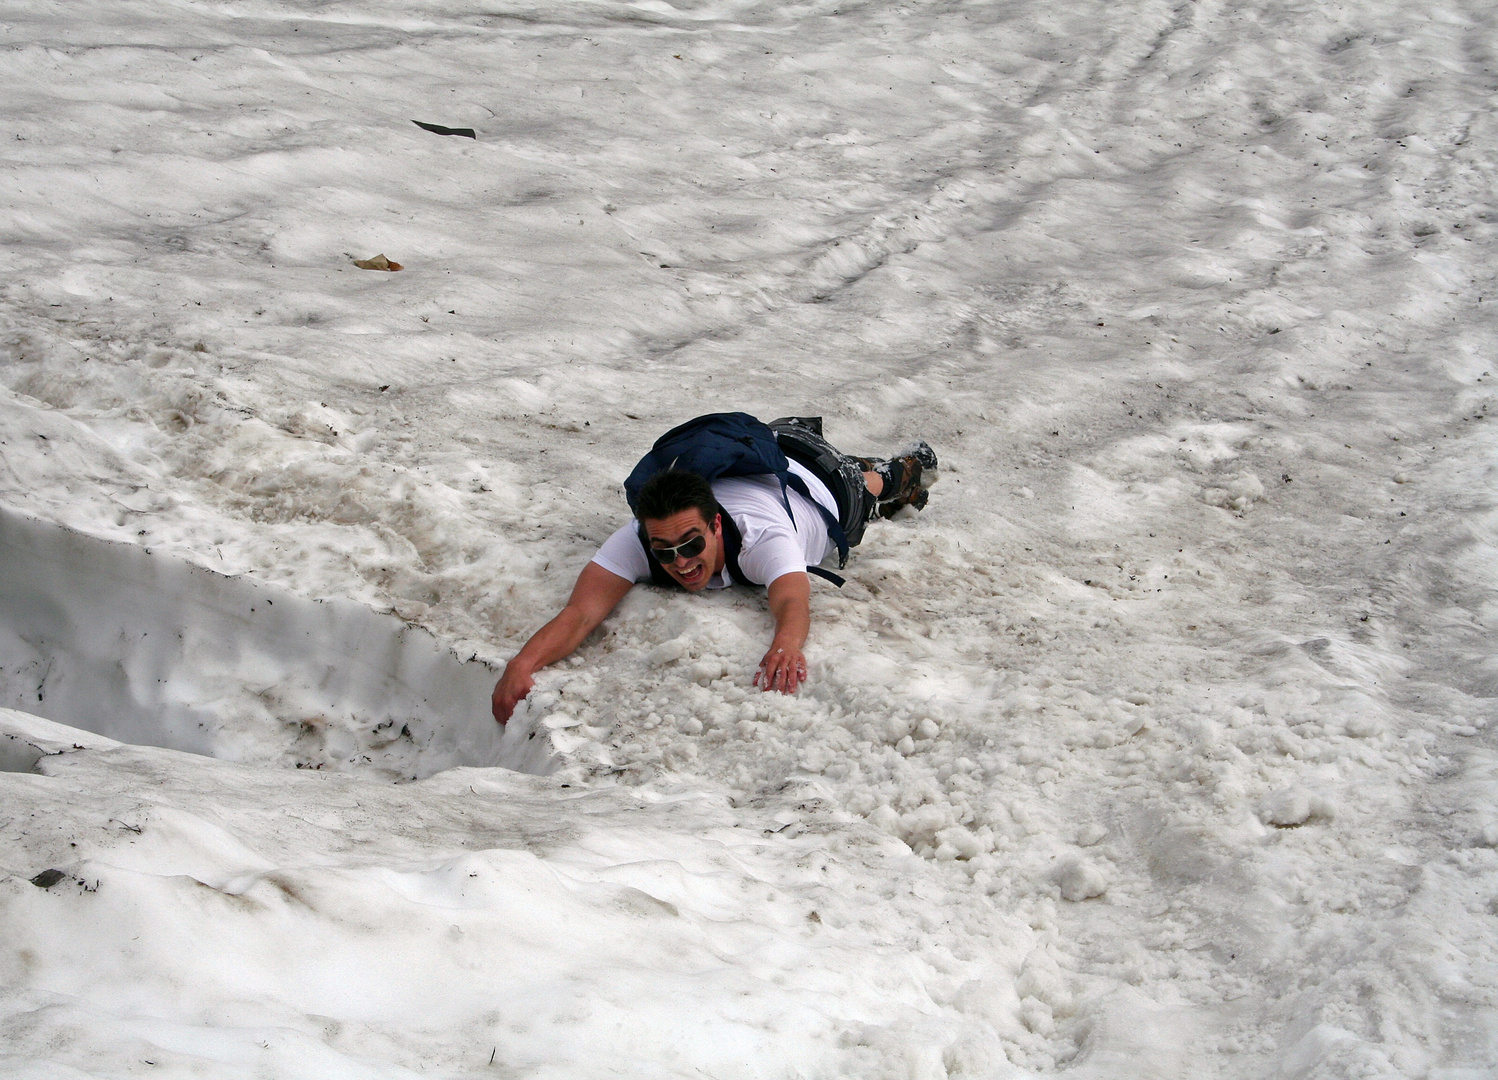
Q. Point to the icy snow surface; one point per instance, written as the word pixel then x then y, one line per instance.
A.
pixel 1159 745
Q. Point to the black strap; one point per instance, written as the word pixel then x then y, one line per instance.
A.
pixel 834 527
pixel 789 480
pixel 827 574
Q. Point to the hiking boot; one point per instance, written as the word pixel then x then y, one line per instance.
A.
pixel 925 457
pixel 917 501
pixel 906 477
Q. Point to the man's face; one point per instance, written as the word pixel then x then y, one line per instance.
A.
pixel 683 528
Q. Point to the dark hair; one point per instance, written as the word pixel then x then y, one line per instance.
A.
pixel 673 491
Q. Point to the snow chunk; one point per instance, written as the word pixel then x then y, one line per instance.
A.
pixel 886 819
pixel 1362 725
pixel 1037 1016
pixel 1090 834
pixel 1238 494
pixel 667 652
pixel 705 671
pixel 962 843
pixel 1080 880
pixel 1292 806
pixel 1041 979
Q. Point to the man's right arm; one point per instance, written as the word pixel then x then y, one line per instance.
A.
pixel 597 592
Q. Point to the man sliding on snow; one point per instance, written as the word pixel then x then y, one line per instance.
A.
pixel 765 522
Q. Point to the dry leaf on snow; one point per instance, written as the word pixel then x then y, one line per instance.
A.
pixel 379 262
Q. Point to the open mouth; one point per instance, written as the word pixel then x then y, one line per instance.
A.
pixel 691 576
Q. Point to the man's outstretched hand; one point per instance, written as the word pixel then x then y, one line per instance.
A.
pixel 782 669
pixel 784 666
pixel 511 689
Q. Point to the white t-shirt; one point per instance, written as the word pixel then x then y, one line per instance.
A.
pixel 775 542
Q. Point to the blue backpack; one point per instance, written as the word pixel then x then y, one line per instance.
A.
pixel 722 445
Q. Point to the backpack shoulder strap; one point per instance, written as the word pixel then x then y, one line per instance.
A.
pixel 733 543
pixel 828 575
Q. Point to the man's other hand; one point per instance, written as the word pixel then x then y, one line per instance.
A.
pixel 597 592
pixel 511 689
pixel 781 669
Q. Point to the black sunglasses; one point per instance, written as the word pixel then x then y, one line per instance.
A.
pixel 689 550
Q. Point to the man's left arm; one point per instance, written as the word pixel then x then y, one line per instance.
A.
pixel 784 666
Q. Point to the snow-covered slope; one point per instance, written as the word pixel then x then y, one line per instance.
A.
pixel 1159 745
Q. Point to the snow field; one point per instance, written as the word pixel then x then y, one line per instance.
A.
pixel 1160 745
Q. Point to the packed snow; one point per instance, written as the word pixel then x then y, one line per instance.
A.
pixel 1160 744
